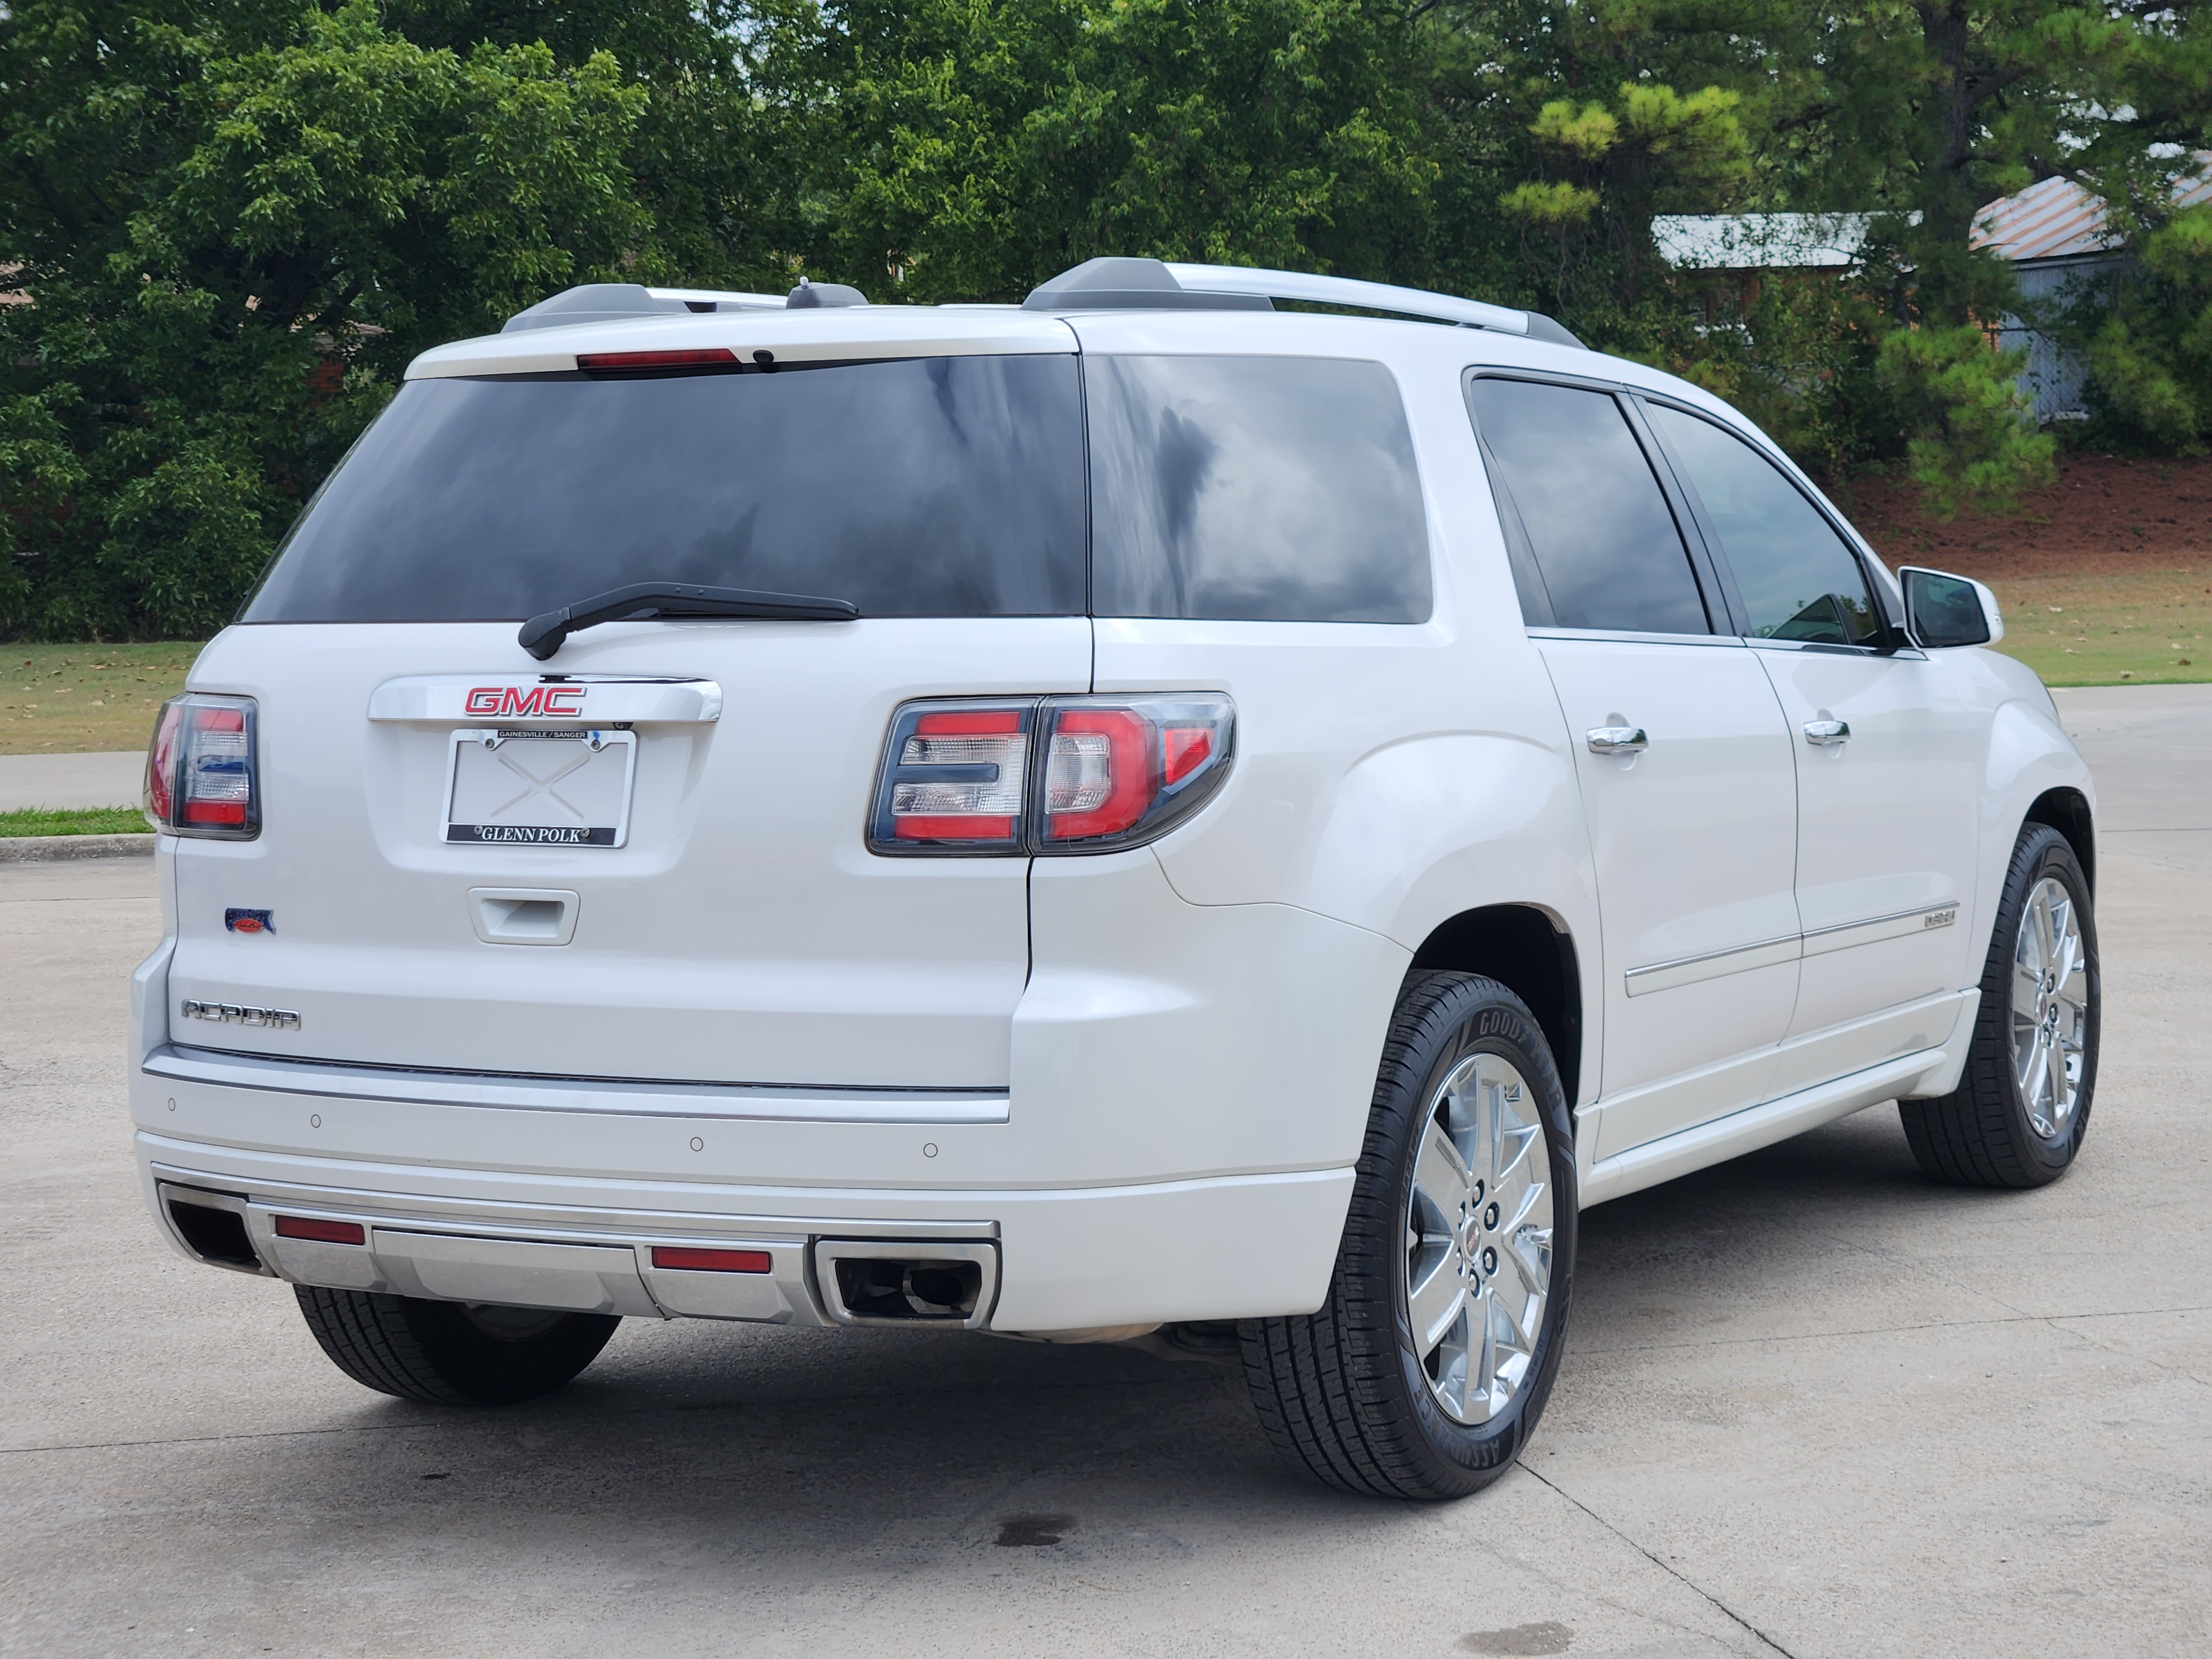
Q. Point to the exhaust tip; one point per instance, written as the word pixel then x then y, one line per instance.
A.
pixel 941 1292
pixel 872 1282
pixel 217 1237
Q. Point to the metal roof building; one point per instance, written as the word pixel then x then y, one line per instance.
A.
pixel 2056 237
pixel 1760 241
pixel 2058 219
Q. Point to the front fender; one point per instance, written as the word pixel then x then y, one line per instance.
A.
pixel 2029 754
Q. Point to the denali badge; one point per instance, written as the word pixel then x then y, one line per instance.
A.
pixel 231 1013
pixel 502 701
pixel 250 921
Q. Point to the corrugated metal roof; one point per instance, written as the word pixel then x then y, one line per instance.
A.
pixel 2058 219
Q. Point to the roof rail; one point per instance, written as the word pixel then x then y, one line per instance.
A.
pixel 1109 283
pixel 1146 284
pixel 609 302
pixel 721 299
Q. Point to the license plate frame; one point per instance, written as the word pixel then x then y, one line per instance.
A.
pixel 483 761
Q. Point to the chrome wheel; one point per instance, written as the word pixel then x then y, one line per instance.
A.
pixel 1479 1238
pixel 2049 1007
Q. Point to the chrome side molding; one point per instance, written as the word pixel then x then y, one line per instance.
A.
pixel 1743 958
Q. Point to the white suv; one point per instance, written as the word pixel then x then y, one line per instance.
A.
pixel 1136 817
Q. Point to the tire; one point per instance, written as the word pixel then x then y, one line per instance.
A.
pixel 1993 1130
pixel 1350 1394
pixel 448 1353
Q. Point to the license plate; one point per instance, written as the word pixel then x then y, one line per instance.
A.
pixel 529 787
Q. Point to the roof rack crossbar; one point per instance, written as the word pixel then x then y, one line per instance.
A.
pixel 1347 291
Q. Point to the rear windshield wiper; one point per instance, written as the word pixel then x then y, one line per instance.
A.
pixel 541 636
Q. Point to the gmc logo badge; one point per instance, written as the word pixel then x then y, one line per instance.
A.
pixel 543 701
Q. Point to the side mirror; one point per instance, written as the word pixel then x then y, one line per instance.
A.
pixel 1942 609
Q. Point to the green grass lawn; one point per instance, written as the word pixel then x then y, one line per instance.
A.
pixel 79 699
pixel 84 820
pixel 2145 628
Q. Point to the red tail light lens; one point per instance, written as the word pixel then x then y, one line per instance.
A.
pixel 160 803
pixel 1102 773
pixel 650 362
pixel 201 773
pixel 955 778
pixel 1121 771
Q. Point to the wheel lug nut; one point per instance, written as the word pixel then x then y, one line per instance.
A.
pixel 1490 1261
pixel 1489 1217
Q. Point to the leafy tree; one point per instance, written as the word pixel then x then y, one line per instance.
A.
pixel 975 147
pixel 234 220
pixel 232 230
pixel 1653 147
pixel 2150 354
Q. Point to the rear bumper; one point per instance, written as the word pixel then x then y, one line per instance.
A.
pixel 1227 1247
pixel 1187 1089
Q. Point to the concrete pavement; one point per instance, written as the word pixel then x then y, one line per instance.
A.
pixel 1812 1405
pixel 71 781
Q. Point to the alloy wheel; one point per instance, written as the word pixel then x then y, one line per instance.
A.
pixel 1479 1238
pixel 2049 1007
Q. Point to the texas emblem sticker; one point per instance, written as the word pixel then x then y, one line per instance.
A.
pixel 250 921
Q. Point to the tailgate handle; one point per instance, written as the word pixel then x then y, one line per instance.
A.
pixel 523 915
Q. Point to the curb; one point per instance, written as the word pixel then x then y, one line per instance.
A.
pixel 38 849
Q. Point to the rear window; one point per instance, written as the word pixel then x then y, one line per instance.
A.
pixel 926 487
pixel 1254 489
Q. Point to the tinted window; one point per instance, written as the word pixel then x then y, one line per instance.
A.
pixel 930 487
pixel 1797 579
pixel 1603 539
pixel 1261 489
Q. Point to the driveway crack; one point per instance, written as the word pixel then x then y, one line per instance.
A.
pixel 1683 1579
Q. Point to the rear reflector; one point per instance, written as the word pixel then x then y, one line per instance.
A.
pixel 711 1261
pixel 599 362
pixel 322 1232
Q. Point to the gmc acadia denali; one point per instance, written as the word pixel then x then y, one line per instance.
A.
pixel 1137 817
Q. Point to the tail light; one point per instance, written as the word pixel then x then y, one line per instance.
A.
pixel 1051 775
pixel 200 775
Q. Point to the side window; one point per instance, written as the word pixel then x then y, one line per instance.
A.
pixel 1254 489
pixel 1797 577
pixel 1598 530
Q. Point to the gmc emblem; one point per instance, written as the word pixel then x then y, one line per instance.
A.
pixel 543 701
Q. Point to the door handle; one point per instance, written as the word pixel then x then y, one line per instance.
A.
pixel 1618 740
pixel 1827 734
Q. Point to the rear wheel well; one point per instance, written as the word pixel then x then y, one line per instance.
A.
pixel 2067 811
pixel 1520 947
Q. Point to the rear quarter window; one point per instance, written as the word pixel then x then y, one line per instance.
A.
pixel 1254 489
pixel 1595 543
pixel 924 487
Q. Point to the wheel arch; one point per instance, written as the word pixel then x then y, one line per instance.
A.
pixel 1529 951
pixel 2068 812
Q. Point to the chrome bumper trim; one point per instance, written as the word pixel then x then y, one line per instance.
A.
pixel 765 1102
pixel 480 1254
